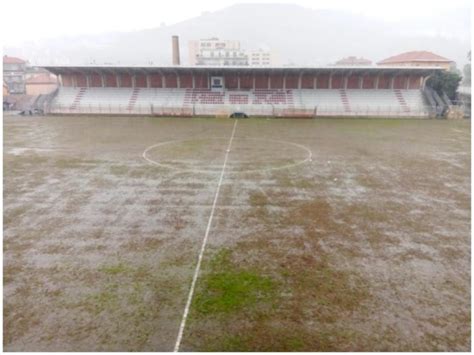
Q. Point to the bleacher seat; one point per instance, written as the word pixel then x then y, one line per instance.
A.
pixel 350 102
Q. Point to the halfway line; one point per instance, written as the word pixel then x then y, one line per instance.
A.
pixel 203 246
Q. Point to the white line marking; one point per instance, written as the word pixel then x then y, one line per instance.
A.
pixel 309 158
pixel 203 246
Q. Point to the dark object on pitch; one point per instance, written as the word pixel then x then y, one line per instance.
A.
pixel 239 115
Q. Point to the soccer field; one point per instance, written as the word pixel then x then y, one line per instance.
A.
pixel 315 235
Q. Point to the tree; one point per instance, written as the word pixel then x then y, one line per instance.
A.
pixel 467 74
pixel 467 70
pixel 445 81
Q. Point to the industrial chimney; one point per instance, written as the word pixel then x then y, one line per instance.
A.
pixel 175 43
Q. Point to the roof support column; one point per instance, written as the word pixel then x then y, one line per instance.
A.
pixel 423 81
pixel 268 80
pixel 392 80
pixel 253 81
pixel 163 79
pixel 300 79
pixel 361 81
pixel 315 81
pixel 407 82
pixel 377 78
pixel 284 80
pixel 330 80
pixel 119 81
pixel 238 80
pixel 346 79
pixel 74 80
pixel 178 81
pixel 148 80
pixel 194 80
pixel 88 80
pixel 133 81
pixel 102 80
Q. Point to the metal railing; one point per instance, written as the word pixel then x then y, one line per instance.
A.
pixel 251 110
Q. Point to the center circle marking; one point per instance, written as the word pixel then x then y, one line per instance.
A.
pixel 308 156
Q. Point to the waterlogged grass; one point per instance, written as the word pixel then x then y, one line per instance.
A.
pixel 258 199
pixel 115 269
pixel 302 306
pixel 137 294
pixel 227 289
pixel 238 309
pixel 75 163
pixel 248 342
pixel 277 338
pixel 185 147
pixel 279 301
pixel 232 290
pixel 119 170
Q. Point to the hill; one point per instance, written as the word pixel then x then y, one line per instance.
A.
pixel 301 36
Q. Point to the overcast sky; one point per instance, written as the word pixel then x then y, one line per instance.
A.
pixel 30 20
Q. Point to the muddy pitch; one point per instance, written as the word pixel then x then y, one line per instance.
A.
pixel 364 246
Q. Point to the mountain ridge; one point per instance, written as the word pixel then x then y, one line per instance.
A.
pixel 299 35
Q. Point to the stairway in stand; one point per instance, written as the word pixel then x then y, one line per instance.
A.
pixel 345 100
pixel 78 98
pixel 188 97
pixel 133 99
pixel 290 99
pixel 401 100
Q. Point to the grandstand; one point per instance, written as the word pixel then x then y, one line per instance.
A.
pixel 273 92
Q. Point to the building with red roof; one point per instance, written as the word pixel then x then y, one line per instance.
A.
pixel 41 84
pixel 14 70
pixel 417 59
pixel 12 60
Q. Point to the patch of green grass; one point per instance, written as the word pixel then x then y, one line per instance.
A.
pixel 228 289
pixel 106 299
pixel 258 199
pixel 286 181
pixel 119 169
pixel 115 269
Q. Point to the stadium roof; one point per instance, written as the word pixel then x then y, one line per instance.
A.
pixel 226 69
pixel 415 56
